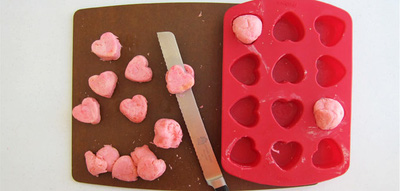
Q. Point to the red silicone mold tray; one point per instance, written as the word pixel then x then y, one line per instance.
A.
pixel 269 133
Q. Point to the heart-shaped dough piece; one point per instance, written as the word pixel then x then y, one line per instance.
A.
pixel 94 164
pixel 109 154
pixel 138 70
pixel 150 169
pixel 124 169
pixel 88 111
pixel 141 153
pixel 104 84
pixel 148 166
pixel 107 47
pixel 178 79
pixel 134 109
pixel 168 134
pixel 247 28
pixel 328 113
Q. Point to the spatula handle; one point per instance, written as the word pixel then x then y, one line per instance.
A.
pixel 222 188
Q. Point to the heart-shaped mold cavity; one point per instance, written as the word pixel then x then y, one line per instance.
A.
pixel 245 69
pixel 245 112
pixel 288 69
pixel 289 27
pixel 330 29
pixel 286 155
pixel 328 155
pixel 330 71
pixel 244 153
pixel 287 113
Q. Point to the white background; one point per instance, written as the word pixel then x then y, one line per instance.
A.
pixel 36 55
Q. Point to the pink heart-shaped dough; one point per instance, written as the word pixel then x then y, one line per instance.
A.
pixel 138 70
pixel 150 169
pixel 104 84
pixel 168 133
pixel 247 28
pixel 134 109
pixel 108 47
pixel 108 154
pixel 328 113
pixel 94 164
pixel 124 169
pixel 88 111
pixel 179 80
pixel 141 153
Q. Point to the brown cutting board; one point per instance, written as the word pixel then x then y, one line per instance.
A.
pixel 198 29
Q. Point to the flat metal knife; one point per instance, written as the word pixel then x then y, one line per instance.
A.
pixel 191 115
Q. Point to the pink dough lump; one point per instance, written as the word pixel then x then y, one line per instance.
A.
pixel 328 113
pixel 95 165
pixel 124 169
pixel 138 70
pixel 88 111
pixel 134 109
pixel 247 28
pixel 109 154
pixel 108 47
pixel 104 84
pixel 168 134
pixel 179 79
pixel 148 166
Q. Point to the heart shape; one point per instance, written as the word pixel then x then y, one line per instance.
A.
pixel 150 169
pixel 286 155
pixel 245 69
pixel 330 71
pixel 288 69
pixel 134 109
pixel 108 154
pixel 245 111
pixel 328 154
pixel 247 28
pixel 104 84
pixel 328 113
pixel 88 111
pixel 138 70
pixel 289 27
pixel 107 47
pixel 95 165
pixel 244 152
pixel 287 113
pixel 179 79
pixel 148 166
pixel 330 29
pixel 124 169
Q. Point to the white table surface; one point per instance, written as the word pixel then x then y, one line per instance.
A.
pixel 36 55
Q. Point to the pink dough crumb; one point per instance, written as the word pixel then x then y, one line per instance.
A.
pixel 109 154
pixel 179 79
pixel 95 165
pixel 328 113
pixel 168 134
pixel 124 169
pixel 138 70
pixel 108 47
pixel 247 28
